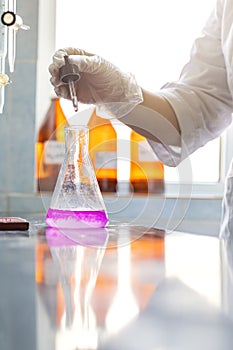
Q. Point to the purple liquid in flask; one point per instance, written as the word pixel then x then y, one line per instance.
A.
pixel 77 201
pixel 76 218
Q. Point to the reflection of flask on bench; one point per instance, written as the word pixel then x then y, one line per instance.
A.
pixel 146 171
pixel 103 152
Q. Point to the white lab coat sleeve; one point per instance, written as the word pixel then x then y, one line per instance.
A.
pixel 201 98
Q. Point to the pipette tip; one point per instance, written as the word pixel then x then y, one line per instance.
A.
pixel 75 105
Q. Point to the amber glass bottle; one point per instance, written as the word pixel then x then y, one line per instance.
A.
pixel 146 171
pixel 50 147
pixel 103 152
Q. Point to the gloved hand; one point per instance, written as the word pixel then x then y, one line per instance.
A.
pixel 113 92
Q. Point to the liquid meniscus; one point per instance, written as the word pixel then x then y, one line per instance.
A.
pixel 76 219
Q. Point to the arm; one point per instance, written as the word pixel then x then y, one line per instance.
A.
pixel 155 119
pixel 160 105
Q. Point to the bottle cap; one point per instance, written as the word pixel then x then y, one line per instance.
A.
pixel 69 71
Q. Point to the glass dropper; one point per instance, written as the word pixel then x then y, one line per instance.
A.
pixel 69 74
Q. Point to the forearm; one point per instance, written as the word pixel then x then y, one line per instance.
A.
pixel 155 119
pixel 160 105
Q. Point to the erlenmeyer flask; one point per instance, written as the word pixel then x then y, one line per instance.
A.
pixel 77 201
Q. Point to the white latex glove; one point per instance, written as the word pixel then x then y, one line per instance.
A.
pixel 113 92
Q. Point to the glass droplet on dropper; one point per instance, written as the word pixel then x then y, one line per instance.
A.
pixel 77 201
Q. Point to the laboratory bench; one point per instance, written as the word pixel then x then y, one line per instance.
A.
pixel 193 214
pixel 123 287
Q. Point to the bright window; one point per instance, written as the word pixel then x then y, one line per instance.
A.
pixel 150 38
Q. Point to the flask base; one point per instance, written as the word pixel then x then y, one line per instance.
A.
pixel 76 219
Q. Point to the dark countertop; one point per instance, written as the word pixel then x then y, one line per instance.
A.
pixel 123 287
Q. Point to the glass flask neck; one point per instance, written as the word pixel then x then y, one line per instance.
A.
pixel 76 140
